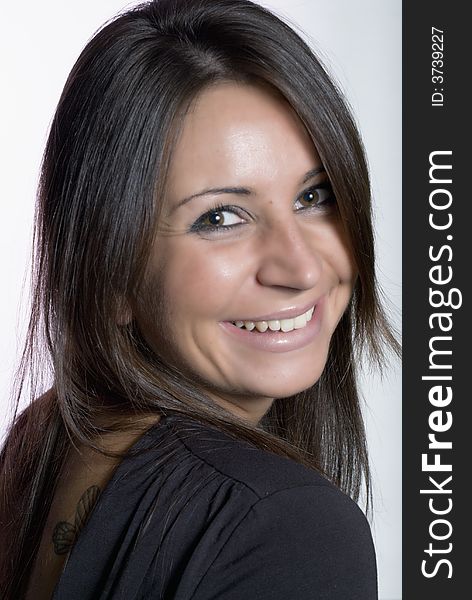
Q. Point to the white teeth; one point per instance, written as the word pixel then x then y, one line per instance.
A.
pixel 300 322
pixel 287 325
pixel 284 325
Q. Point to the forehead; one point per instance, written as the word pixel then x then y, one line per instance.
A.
pixel 236 131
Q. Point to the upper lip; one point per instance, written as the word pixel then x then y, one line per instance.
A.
pixel 285 313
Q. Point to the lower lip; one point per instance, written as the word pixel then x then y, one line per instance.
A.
pixel 279 341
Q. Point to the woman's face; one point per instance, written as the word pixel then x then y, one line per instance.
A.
pixel 249 244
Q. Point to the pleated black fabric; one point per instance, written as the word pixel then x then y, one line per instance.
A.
pixel 192 514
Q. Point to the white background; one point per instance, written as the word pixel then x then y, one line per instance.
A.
pixel 360 42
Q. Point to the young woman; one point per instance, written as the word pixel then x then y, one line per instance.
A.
pixel 204 277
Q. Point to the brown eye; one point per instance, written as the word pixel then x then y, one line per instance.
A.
pixel 320 196
pixel 215 217
pixel 218 219
pixel 309 197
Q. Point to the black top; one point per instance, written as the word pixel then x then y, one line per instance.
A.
pixel 201 516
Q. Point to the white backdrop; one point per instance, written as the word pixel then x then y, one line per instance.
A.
pixel 360 42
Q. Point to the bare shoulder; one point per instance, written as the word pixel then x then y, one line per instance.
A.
pixel 84 476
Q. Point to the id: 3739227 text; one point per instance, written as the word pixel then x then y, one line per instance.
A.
pixel 437 66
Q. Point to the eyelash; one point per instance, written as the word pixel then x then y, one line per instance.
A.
pixel 200 226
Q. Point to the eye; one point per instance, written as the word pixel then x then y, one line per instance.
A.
pixel 218 218
pixel 319 196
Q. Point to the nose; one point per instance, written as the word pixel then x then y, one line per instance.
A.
pixel 288 256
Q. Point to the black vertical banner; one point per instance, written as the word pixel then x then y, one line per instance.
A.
pixel 437 227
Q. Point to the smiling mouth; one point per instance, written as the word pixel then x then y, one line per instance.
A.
pixel 284 325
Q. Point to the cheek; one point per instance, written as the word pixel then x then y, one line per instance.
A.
pixel 340 255
pixel 334 249
pixel 198 279
pixel 344 265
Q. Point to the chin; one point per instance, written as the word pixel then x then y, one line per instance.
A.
pixel 283 387
pixel 286 391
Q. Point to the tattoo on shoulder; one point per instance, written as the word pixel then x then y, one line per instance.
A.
pixel 65 534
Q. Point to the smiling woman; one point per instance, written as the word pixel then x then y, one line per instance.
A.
pixel 272 253
pixel 204 277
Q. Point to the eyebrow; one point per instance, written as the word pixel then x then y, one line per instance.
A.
pixel 240 190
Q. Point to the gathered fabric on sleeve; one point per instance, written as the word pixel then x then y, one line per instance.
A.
pixel 193 514
pixel 299 543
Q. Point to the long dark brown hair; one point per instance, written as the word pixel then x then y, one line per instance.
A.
pixel 103 175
